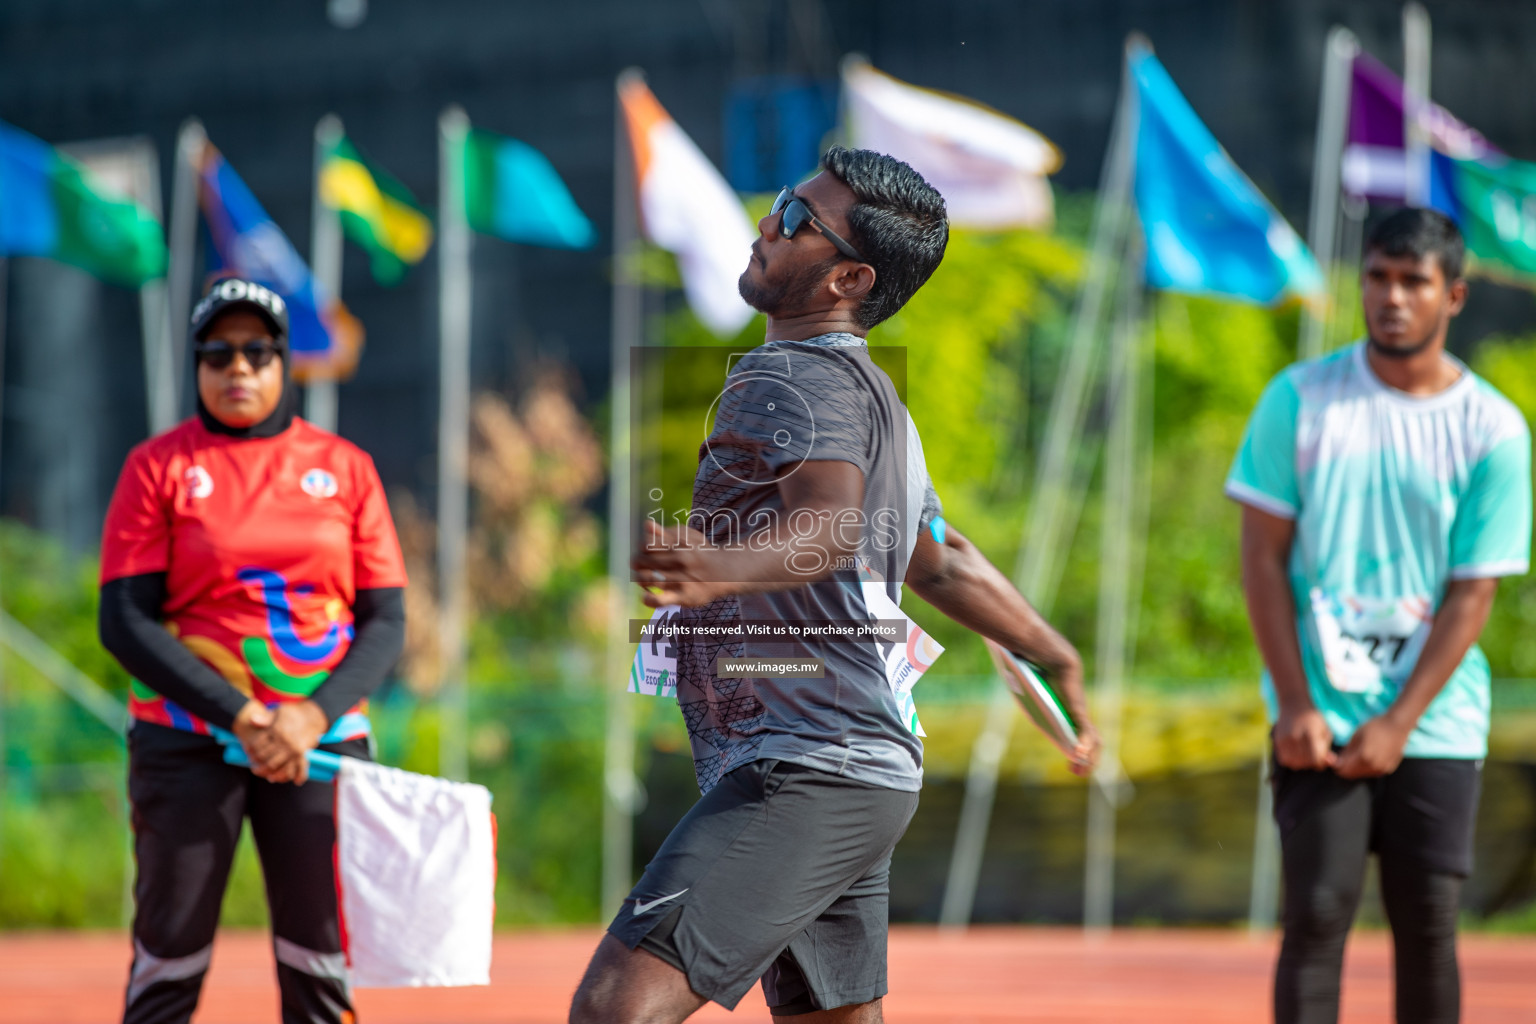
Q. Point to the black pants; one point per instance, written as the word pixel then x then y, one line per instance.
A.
pixel 187 811
pixel 1418 821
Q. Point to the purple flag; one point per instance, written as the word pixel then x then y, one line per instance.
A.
pixel 1375 161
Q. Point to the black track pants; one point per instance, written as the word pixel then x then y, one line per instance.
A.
pixel 1418 821
pixel 187 811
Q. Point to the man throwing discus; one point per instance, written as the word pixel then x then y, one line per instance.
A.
pixel 1385 489
pixel 816 501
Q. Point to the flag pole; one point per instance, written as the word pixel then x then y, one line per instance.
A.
pixel 1055 496
pixel 154 307
pixel 1416 43
pixel 452 441
pixel 1352 213
pixel 1119 589
pixel 325 254
pixel 1327 157
pixel 1332 222
pixel 619 784
pixel 181 274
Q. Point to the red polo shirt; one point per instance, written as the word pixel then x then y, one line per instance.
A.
pixel 264 543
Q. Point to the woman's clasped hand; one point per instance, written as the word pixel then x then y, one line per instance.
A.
pixel 278 740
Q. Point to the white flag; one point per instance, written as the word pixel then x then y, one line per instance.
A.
pixel 687 208
pixel 416 870
pixel 989 168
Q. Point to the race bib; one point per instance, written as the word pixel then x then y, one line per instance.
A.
pixel 905 660
pixel 654 670
pixel 1368 642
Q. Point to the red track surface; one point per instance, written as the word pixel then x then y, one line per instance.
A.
pixel 988 975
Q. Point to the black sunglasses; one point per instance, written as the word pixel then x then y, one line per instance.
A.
pixel 794 214
pixel 219 353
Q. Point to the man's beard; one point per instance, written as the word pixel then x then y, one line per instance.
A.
pixel 788 296
pixel 1388 352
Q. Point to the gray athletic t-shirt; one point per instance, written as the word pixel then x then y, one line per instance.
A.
pixel 785 403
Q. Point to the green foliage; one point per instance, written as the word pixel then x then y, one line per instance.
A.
pixel 1211 360
pixel 968 335
pixel 63 860
pixel 54 594
pixel 1521 921
pixel 1509 364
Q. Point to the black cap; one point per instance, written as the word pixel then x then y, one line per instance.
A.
pixel 238 293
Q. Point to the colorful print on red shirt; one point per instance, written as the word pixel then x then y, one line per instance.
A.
pixel 264 543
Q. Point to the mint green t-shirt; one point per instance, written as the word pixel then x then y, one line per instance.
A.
pixel 1393 496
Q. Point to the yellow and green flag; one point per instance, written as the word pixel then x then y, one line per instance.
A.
pixel 377 211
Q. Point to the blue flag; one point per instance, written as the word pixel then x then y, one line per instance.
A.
pixel 27 222
pixel 1208 229
pixel 324 338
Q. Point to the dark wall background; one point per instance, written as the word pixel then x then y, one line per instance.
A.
pixel 259 75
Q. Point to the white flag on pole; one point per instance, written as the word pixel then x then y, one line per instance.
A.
pixel 416 870
pixel 990 169
pixel 687 208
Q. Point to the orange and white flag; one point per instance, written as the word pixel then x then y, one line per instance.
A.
pixel 990 169
pixel 687 208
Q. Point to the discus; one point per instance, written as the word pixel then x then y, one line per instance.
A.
pixel 1039 701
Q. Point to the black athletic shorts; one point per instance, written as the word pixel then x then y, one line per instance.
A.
pixel 1425 811
pixel 779 872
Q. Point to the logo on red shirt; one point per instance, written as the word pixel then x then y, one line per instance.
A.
pixel 317 483
pixel 199 483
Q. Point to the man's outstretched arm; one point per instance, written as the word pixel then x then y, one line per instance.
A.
pixel 956 578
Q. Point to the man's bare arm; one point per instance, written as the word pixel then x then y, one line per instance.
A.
pixel 1377 746
pixel 819 528
pixel 958 580
pixel 1302 737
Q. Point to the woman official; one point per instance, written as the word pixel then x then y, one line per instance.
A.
pixel 252 584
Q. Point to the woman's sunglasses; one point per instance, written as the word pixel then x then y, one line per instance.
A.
pixel 794 214
pixel 219 354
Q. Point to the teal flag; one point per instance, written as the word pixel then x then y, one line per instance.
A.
pixel 1208 229
pixel 50 207
pixel 512 191
pixel 1496 201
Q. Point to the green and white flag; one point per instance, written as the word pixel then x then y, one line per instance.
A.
pixel 1498 216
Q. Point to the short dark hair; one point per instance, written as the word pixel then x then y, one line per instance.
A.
pixel 898 224
pixel 1418 233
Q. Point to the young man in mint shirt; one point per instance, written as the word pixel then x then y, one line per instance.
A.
pixel 1385 489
